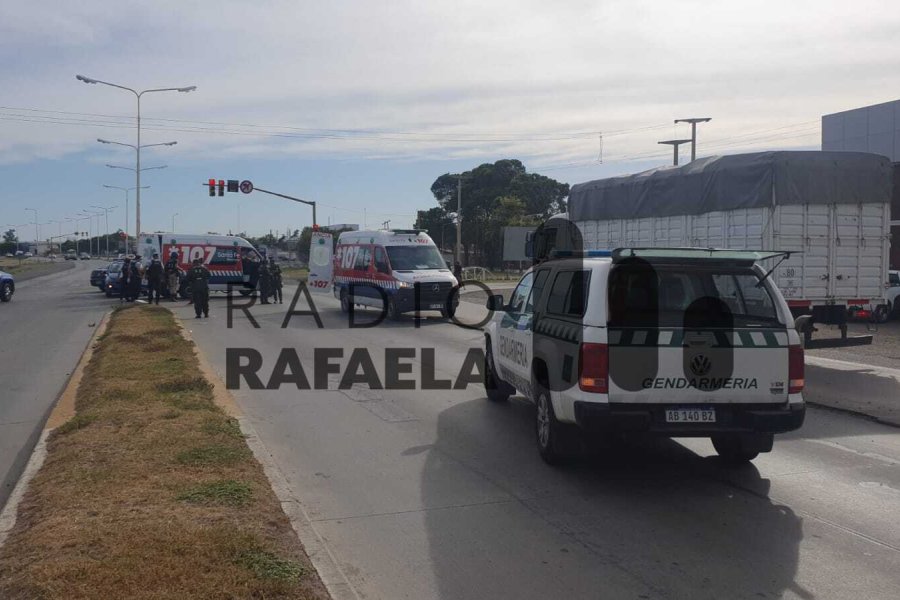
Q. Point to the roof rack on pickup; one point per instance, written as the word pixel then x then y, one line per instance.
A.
pixel 721 254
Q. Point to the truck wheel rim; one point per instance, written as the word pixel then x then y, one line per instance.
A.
pixel 543 421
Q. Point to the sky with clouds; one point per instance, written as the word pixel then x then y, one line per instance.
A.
pixel 361 105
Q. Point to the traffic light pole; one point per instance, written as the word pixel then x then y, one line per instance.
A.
pixel 309 202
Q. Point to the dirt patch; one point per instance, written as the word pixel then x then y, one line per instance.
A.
pixel 150 491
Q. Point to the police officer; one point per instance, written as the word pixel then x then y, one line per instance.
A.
pixel 264 282
pixel 154 278
pixel 275 271
pixel 134 279
pixel 171 272
pixel 198 277
pixel 125 280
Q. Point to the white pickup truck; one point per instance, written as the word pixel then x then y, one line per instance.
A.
pixel 655 341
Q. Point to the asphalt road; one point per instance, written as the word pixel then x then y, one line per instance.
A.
pixel 43 331
pixel 441 494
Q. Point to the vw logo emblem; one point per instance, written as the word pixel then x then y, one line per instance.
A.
pixel 700 365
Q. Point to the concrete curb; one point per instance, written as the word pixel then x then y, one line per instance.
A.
pixel 320 554
pixel 843 365
pixel 63 410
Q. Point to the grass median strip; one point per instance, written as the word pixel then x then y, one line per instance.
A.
pixel 150 490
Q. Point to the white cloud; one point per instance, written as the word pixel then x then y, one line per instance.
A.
pixel 441 67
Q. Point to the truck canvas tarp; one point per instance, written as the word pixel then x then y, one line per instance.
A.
pixel 741 181
pixel 830 210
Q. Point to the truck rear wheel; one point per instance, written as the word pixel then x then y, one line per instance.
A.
pixel 555 440
pixel 739 449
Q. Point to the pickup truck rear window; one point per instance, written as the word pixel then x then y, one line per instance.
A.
pixel 671 295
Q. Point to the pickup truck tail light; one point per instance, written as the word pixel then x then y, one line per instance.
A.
pixel 593 368
pixel 796 370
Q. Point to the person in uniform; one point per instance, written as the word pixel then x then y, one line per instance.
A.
pixel 171 272
pixel 124 279
pixel 198 278
pixel 277 285
pixel 134 280
pixel 265 282
pixel 154 278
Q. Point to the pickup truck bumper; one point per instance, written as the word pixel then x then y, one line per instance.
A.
pixel 738 418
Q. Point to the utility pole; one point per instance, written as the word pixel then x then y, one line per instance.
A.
pixel 693 121
pixel 458 217
pixel 675 144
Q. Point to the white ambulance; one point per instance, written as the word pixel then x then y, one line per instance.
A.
pixel 679 342
pixel 400 270
pixel 232 261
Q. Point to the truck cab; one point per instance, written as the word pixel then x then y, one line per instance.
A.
pixel 650 341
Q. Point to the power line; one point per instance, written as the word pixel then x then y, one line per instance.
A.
pixel 73 118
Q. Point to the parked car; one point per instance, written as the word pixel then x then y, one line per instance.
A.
pixel 27 255
pixel 7 286
pixel 71 255
pixel 98 278
pixel 10 255
pixel 84 256
pixel 892 294
pixel 112 284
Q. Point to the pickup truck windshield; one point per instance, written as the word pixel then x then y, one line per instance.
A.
pixel 673 295
pixel 415 258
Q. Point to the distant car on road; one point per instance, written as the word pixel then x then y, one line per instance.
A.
pixel 84 256
pixel 10 255
pixel 27 255
pixel 892 293
pixel 71 255
pixel 7 286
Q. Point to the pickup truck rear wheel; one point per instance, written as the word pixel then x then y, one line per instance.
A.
pixel 739 449
pixel 554 439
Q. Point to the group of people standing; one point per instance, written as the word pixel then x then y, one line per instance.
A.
pixel 162 278
pixel 269 283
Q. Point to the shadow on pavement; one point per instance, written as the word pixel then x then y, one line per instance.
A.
pixel 644 521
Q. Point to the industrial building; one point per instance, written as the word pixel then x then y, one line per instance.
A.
pixel 874 129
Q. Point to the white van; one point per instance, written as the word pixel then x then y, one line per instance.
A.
pixel 400 270
pixel 231 260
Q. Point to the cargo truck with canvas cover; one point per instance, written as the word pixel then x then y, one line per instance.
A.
pixel 831 210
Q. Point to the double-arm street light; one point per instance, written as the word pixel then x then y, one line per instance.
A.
pixel 36 235
pixel 91 231
pixel 126 190
pixel 137 147
pixel 105 210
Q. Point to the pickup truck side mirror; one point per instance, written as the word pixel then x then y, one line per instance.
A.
pixel 495 303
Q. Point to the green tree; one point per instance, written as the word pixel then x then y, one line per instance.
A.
pixel 438 223
pixel 496 195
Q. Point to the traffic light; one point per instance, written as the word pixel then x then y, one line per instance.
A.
pixel 221 187
pixel 212 187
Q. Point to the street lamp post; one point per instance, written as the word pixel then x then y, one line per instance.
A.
pixel 126 190
pixel 105 210
pixel 137 147
pixel 36 235
pixel 173 222
pixel 91 216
